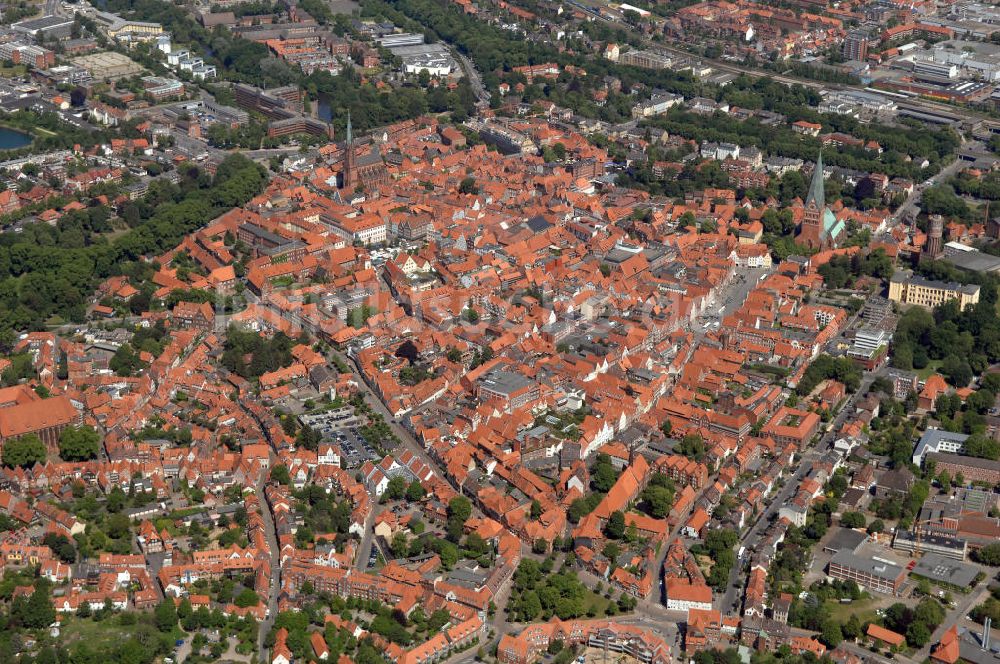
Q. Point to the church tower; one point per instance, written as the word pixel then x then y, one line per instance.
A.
pixel 812 232
pixel 350 174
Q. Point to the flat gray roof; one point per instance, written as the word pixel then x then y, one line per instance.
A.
pixel 42 22
pixel 972 261
pixel 946 570
pixel 877 568
pixel 845 539
pixel 505 382
pixel 930 539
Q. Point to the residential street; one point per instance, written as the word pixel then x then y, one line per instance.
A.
pixel 587 251
pixel 964 605
pixel 729 602
pixel 911 207
pixel 272 542
pixel 405 437
pixel 365 548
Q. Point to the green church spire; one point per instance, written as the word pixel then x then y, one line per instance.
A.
pixel 817 194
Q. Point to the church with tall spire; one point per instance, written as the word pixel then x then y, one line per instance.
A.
pixel 819 228
pixel 349 179
pixel 368 170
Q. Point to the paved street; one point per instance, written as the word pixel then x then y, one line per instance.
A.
pixel 729 601
pixel 272 542
pixel 405 437
pixel 475 80
pixel 751 540
pixel 365 548
pixel 651 612
pixel 965 604
pixel 911 206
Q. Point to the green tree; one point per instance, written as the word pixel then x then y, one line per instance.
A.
pixel 61 546
pixel 79 443
pixel 448 553
pixel 118 526
pixel 125 361
pixel 603 475
pixel 988 555
pixel 166 615
pixel 615 527
pixel 581 507
pixel 34 611
pixel 956 370
pixel 437 620
pixel 475 544
pixel 692 446
pixel 946 407
pixel 831 634
pixel 279 474
pixel 459 511
pixel 530 606
pixel 981 401
pixel 468 186
pixel 246 597
pixel 396 489
pixel 917 634
pixel 852 520
pixel 23 452
pixel 659 500
pixel 415 492
pixel 852 629
pixel 983 447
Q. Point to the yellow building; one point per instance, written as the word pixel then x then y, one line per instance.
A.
pixel 926 293
pixel 115 26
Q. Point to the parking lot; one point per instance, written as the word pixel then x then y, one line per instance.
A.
pixel 330 421
pixel 340 427
pixel 355 451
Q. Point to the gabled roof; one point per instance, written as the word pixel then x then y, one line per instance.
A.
pixel 885 635
pixel 36 415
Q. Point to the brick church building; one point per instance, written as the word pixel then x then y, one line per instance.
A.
pixel 819 229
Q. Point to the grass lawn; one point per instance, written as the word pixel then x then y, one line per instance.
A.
pixel 864 609
pixel 596 602
pixel 107 632
pixel 185 511
pixel 115 234
pixel 13 70
pixel 168 525
pixel 931 367
pixel 705 564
